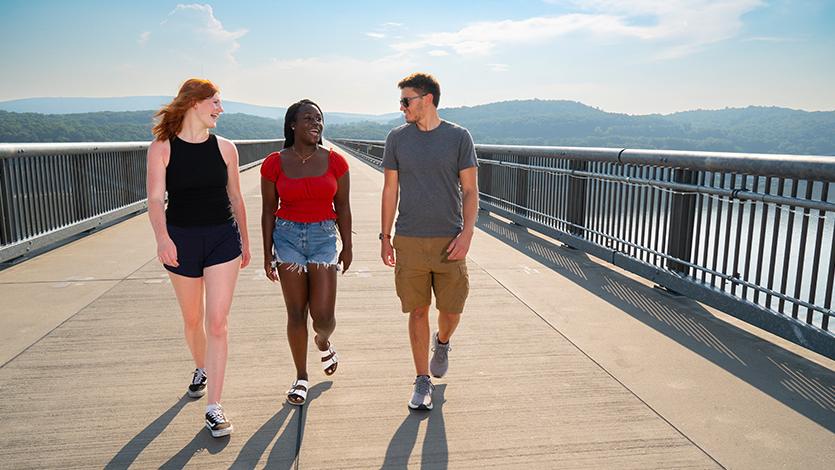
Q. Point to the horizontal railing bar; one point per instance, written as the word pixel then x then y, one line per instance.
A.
pixel 75 148
pixel 94 197
pixel 741 194
pixel 816 167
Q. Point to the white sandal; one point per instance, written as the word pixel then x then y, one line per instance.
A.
pixel 299 389
pixel 329 359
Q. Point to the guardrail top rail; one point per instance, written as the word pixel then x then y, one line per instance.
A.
pixel 752 234
pixel 49 192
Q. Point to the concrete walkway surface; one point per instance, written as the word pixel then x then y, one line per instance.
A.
pixel 560 361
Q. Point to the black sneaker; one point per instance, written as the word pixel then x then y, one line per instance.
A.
pixel 217 423
pixel 198 384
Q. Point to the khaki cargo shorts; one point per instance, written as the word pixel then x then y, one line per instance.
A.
pixel 422 267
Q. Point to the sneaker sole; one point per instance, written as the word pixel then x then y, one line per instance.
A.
pixel 421 407
pixel 220 432
pixel 197 394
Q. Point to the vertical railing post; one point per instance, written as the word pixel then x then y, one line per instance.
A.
pixel 682 223
pixel 5 204
pixel 485 177
pixel 521 196
pixel 577 199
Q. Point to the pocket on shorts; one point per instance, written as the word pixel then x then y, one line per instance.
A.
pixel 328 225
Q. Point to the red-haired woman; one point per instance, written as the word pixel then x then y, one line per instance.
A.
pixel 201 236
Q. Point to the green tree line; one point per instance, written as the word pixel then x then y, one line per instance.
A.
pixel 526 122
pixel 566 123
pixel 118 127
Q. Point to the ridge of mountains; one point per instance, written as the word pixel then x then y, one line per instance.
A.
pixel 754 129
pixel 81 105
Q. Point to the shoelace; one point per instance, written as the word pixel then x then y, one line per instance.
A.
pixel 442 350
pixel 216 415
pixel 423 386
pixel 199 375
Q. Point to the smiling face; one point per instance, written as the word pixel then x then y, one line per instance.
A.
pixel 416 104
pixel 208 111
pixel 308 125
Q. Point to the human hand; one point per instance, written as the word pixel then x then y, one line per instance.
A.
pixel 460 246
pixel 246 257
pixel 167 252
pixel 270 270
pixel 345 258
pixel 387 252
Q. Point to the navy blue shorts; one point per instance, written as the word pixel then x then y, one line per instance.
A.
pixel 201 247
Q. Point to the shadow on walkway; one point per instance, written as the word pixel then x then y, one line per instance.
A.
pixel 130 451
pixel 435 453
pixel 286 449
pixel 803 385
pixel 203 440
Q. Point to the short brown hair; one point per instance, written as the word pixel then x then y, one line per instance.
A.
pixel 425 83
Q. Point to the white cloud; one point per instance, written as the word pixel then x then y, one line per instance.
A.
pixel 374 90
pixel 482 38
pixel 679 27
pixel 195 31
pixel 438 53
pixel 774 39
pixel 375 35
pixel 499 67
pixel 143 38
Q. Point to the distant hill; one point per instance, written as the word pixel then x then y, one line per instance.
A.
pixel 568 123
pixel 60 105
pixel 123 126
pixel 527 122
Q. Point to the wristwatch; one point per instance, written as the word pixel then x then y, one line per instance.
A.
pixel 385 235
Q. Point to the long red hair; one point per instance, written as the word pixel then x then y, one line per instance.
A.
pixel 170 117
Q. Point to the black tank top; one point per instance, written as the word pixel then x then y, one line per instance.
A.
pixel 196 182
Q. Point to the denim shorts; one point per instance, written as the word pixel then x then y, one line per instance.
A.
pixel 300 244
pixel 204 246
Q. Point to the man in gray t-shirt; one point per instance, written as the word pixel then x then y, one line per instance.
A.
pixel 430 165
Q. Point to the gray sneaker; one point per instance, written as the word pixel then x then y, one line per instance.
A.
pixel 440 358
pixel 422 396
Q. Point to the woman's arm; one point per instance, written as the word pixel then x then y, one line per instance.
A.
pixel 342 206
pixel 158 154
pixel 269 203
pixel 236 200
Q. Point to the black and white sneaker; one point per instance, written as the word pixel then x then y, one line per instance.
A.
pixel 198 384
pixel 217 423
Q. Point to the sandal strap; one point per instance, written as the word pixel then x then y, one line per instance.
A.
pixel 299 388
pixel 327 352
pixel 326 363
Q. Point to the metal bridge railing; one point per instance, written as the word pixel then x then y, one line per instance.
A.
pixel 750 234
pixel 49 192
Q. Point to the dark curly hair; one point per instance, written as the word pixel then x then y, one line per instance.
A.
pixel 425 83
pixel 290 119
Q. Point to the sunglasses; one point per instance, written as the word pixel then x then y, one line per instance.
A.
pixel 405 101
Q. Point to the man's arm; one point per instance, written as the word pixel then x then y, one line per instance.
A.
pixel 469 198
pixel 388 207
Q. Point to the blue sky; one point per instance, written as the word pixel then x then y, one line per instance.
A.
pixel 631 56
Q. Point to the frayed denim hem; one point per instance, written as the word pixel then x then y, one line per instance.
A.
pixel 302 268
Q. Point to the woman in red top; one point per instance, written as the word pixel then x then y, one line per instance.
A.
pixel 305 191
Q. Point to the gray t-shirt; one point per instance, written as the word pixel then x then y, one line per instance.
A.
pixel 427 165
